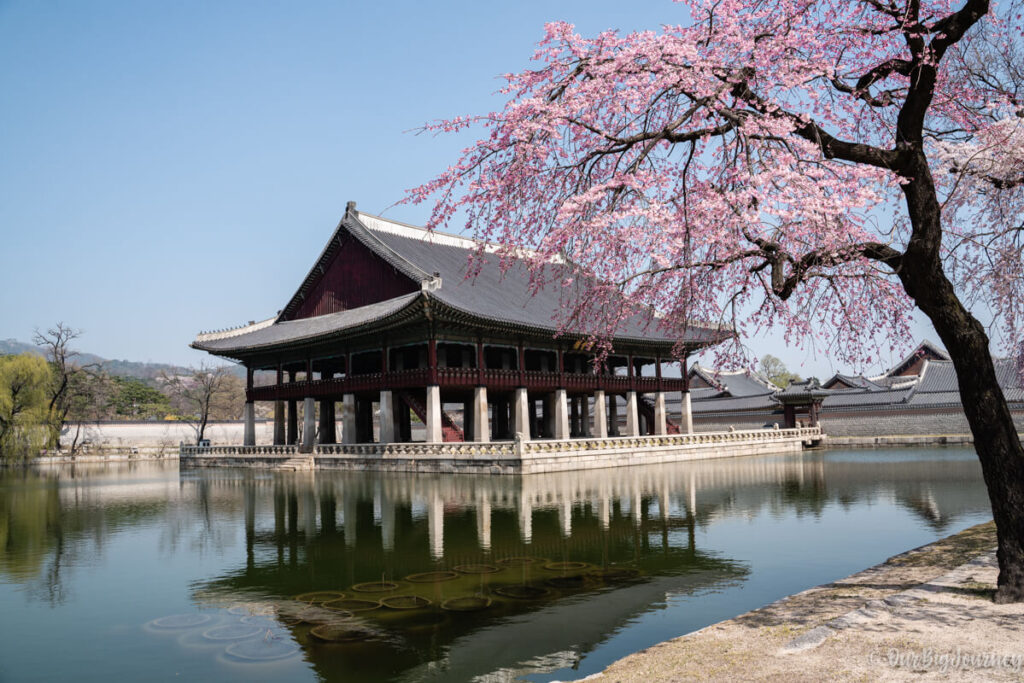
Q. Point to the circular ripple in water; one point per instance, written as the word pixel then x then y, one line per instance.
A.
pixel 375 587
pixel 405 602
pixel 180 621
pixel 263 622
pixel 566 566
pixel 232 632
pixel 477 569
pixel 261 649
pixel 467 603
pixel 432 577
pixel 319 597
pixel 524 592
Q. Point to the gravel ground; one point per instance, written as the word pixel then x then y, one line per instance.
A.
pixel 926 614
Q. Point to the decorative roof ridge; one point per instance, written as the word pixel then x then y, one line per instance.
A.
pixel 235 331
pixel 393 227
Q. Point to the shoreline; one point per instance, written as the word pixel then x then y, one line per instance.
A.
pixel 925 613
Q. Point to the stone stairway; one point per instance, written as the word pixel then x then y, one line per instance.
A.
pixel 300 463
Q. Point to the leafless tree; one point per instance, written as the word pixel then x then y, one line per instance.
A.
pixel 204 393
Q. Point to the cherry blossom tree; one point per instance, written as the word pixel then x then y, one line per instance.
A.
pixel 820 165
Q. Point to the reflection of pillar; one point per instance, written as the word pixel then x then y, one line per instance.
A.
pixel 249 415
pixel 434 414
pixel 632 415
pixel 521 414
pixel 565 516
pixel 604 510
pixel 309 512
pixel 561 417
pixel 663 503
pixel 691 499
pixel 483 522
pixel 348 418
pixel 481 425
pixel 387 522
pixel 637 507
pixel 387 417
pixel 308 423
pixel 327 426
pixel 600 430
pixel 249 501
pixel 686 423
pixel 278 423
pixel 435 525
pixel 660 418
pixel 525 518
pixel 349 521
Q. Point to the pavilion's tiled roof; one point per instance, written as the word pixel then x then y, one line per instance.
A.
pixel 304 329
pixel 852 381
pixel 439 263
pixel 502 296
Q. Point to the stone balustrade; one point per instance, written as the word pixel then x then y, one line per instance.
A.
pixel 524 456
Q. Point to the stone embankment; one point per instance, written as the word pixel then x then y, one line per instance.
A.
pixel 926 614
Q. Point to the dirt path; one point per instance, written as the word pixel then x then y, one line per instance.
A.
pixel 926 614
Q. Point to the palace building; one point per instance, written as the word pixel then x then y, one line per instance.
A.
pixel 387 324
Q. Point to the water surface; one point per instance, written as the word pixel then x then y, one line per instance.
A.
pixel 140 571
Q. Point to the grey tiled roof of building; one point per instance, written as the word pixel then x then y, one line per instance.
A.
pixel 714 405
pixel 938 382
pixel 305 328
pixel 854 381
pixel 863 398
pixel 440 262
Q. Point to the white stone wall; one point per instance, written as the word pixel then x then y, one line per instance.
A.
pixel 156 435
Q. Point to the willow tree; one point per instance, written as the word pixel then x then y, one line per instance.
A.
pixel 820 165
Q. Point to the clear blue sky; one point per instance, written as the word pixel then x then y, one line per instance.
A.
pixel 172 167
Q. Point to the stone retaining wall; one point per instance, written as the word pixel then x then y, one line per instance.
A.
pixel 518 457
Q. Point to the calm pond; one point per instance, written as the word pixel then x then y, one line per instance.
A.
pixel 141 572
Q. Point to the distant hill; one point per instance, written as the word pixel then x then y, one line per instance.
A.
pixel 120 368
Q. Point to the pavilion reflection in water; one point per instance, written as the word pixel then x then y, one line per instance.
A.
pixel 307 532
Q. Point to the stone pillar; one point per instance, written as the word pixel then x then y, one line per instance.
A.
pixel 278 423
pixel 686 421
pixel 600 430
pixel 434 434
pixel 632 415
pixel 481 423
pixel 387 417
pixel 660 417
pixel 521 414
pixel 293 422
pixel 561 417
pixel 613 415
pixel 327 425
pixel 249 415
pixel 348 418
pixel 308 424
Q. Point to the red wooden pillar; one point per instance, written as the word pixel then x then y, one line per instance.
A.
pixel 309 370
pixel 432 360
pixel 686 374
pixel 280 380
pixel 479 361
pixel 657 371
pixel 522 364
pixel 632 377
pixel 561 367
pixel 248 382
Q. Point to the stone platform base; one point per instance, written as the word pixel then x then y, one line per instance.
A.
pixel 514 457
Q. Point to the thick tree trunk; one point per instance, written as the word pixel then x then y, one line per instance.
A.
pixel 995 437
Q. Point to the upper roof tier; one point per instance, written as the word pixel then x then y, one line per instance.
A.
pixel 375 270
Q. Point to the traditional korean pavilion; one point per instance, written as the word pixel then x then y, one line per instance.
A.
pixel 387 316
